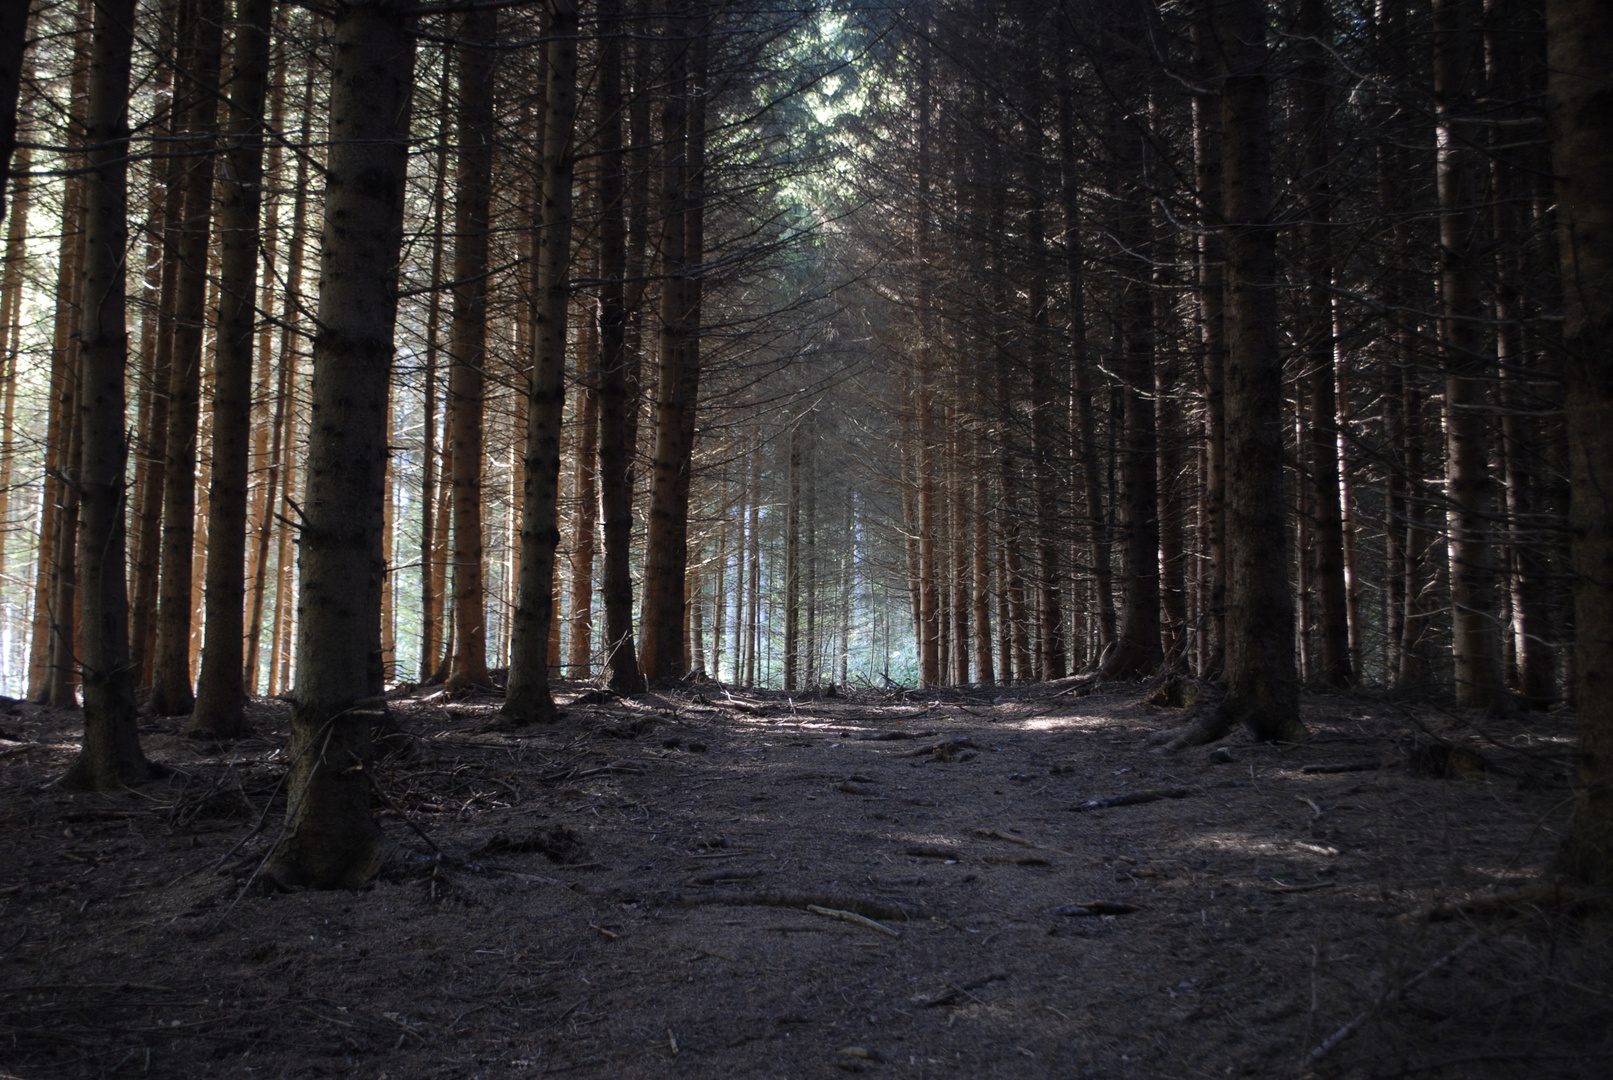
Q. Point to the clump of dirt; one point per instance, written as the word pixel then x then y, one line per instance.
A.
pixel 560 844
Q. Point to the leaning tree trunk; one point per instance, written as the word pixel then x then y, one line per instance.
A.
pixel 221 691
pixel 331 841
pixel 528 699
pixel 111 755
pixel 1579 36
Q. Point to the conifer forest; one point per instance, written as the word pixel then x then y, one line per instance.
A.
pixel 968 538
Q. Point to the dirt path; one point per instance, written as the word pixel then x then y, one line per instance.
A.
pixel 627 894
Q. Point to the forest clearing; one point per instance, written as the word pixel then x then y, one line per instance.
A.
pixel 625 895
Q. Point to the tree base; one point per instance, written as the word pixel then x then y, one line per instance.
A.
pixel 87 774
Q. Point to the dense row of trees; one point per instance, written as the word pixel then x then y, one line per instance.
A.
pixel 356 342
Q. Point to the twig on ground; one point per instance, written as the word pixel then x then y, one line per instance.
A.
pixel 1327 1046
pixel 853 917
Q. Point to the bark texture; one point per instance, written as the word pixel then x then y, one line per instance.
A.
pixel 331 840
pixel 111 755
pixel 1580 45
pixel 220 691
pixel 528 699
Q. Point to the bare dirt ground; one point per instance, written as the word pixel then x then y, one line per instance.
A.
pixel 626 895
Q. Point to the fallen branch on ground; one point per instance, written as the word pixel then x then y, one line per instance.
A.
pixel 957 990
pixel 1134 799
pixel 852 917
pixel 873 909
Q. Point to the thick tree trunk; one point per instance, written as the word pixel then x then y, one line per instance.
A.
pixel 661 646
pixel 1580 48
pixel 110 757
pixel 1262 686
pixel 172 690
pixel 331 840
pixel 528 699
pixel 468 342
pixel 13 39
pixel 220 693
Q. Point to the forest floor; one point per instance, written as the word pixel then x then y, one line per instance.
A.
pixel 625 894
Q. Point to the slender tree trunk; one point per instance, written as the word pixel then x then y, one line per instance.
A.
pixel 11 335
pixel 47 682
pixel 1139 650
pixel 172 690
pixel 792 562
pixel 1207 153
pixel 220 694
pixel 1332 615
pixel 585 495
pixel 1082 422
pixel 331 840
pixel 1579 38
pixel 615 402
pixel 111 756
pixel 528 699
pixel 468 341
pixel 282 440
pixel 1475 595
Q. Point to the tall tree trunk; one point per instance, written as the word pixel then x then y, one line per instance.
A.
pixel 615 402
pixel 1470 489
pixel 1139 650
pixel 1332 615
pixel 1083 438
pixel 1207 152
pixel 172 691
pixel 47 682
pixel 666 545
pixel 284 423
pixel 330 839
pixel 1262 686
pixel 1579 36
pixel 13 39
pixel 792 562
pixel 220 693
pixel 111 756
pixel 11 335
pixel 468 341
pixel 528 699
pixel 585 496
